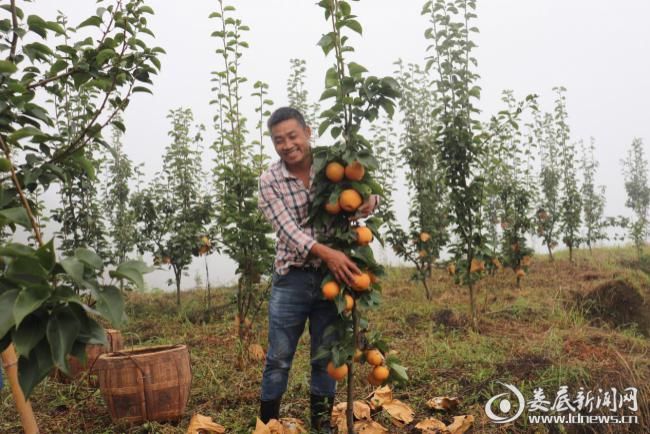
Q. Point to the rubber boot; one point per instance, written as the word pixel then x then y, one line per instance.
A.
pixel 270 410
pixel 321 413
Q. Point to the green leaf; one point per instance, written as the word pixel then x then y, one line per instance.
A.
pixel 15 249
pixel 356 70
pixel 89 258
pixel 91 332
pixel 399 371
pixel 75 269
pixel 133 271
pixel 16 215
pixel 32 370
pixel 47 256
pixel 37 25
pixel 92 21
pixel 28 335
pixel 29 300
pixel 62 330
pixel 104 55
pixel 7 300
pixel 7 67
pixel 27 270
pixel 326 42
pixel 110 303
pixel 354 25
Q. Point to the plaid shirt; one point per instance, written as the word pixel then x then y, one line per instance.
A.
pixel 284 201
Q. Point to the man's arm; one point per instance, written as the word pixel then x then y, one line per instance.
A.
pixel 342 267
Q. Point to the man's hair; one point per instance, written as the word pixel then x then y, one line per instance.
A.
pixel 284 114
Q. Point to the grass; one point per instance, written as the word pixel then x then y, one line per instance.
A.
pixel 530 337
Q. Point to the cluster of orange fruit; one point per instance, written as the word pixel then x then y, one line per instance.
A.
pixel 374 357
pixel 349 199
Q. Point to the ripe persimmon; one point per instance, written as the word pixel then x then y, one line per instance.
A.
pixel 349 302
pixel 424 237
pixel 374 357
pixel 380 373
pixel 364 235
pixel 361 282
pixel 334 171
pixel 350 200
pixel 331 290
pixel 355 171
pixel 337 373
pixel 332 208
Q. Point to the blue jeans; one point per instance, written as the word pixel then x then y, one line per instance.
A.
pixel 295 297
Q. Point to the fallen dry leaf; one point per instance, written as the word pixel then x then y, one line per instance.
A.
pixel 360 409
pixel 275 427
pixel 380 396
pixel 293 426
pixel 256 352
pixel 432 426
pixel 261 428
pixel 338 417
pixel 443 403
pixel 204 425
pixel 368 427
pixel 399 411
pixel 460 424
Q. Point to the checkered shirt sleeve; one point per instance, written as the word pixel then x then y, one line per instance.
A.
pixel 284 201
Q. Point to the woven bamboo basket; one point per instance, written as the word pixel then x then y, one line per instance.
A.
pixel 145 384
pixel 115 342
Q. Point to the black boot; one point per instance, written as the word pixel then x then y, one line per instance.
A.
pixel 270 410
pixel 321 413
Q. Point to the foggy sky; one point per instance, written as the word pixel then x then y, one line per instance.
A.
pixel 597 49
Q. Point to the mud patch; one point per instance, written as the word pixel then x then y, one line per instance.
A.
pixel 524 366
pixel 449 319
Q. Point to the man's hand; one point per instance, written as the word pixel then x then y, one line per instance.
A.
pixel 367 208
pixel 342 267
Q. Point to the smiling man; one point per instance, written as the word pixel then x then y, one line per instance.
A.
pixel 301 262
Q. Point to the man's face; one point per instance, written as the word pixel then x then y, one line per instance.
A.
pixel 291 141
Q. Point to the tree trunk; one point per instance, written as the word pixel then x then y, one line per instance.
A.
pixel 178 274
pixel 23 407
pixel 207 285
pixel 550 252
pixel 349 411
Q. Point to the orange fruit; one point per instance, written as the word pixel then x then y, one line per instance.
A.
pixel 337 373
pixel 373 278
pixel 380 373
pixel 334 171
pixel 361 282
pixel 520 272
pixel 354 171
pixel 357 355
pixel 332 208
pixel 372 380
pixel 331 290
pixel 476 266
pixel 364 235
pixel 424 237
pixel 204 249
pixel 374 357
pixel 422 253
pixel 349 302
pixel 350 200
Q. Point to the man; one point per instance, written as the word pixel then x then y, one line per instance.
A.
pixel 284 197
